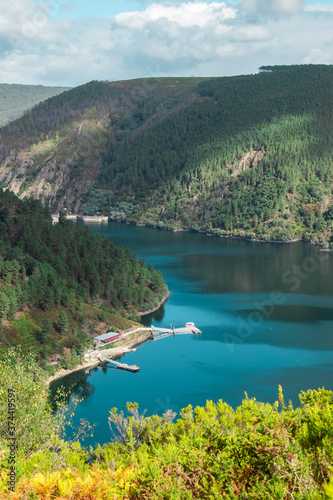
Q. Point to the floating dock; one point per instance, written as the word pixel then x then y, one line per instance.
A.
pixel 120 366
pixel 93 218
pixel 161 333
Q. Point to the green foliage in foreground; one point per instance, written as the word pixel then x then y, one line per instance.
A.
pixel 257 451
pixel 27 418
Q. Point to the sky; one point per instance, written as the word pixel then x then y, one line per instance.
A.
pixel 71 42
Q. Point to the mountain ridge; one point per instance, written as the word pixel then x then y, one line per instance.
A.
pixel 16 99
pixel 246 156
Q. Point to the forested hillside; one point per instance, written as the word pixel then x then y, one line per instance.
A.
pixel 55 152
pixel 253 158
pixel 246 156
pixel 15 99
pixel 58 282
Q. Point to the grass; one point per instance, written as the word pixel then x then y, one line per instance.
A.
pixel 112 320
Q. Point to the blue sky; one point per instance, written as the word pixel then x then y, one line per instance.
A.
pixel 70 42
pixel 103 8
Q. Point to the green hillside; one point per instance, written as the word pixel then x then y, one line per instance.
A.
pixel 253 158
pixel 60 284
pixel 15 99
pixel 246 156
pixel 56 151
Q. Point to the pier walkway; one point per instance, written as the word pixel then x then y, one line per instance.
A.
pixel 161 333
pixel 121 366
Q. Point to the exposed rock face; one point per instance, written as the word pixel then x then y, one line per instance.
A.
pixel 50 182
pixel 251 159
pixel 52 176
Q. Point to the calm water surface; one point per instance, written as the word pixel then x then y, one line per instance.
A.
pixel 265 311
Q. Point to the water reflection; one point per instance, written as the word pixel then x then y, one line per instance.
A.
pixel 75 383
pixel 158 315
pixel 280 269
pixel 293 314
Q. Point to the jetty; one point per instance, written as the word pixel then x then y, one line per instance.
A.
pixel 93 218
pixel 84 218
pixel 161 333
pixel 120 366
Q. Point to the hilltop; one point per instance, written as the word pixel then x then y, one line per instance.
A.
pixel 245 156
pixel 15 99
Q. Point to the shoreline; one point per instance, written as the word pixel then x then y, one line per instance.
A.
pixel 115 352
pixel 205 233
pixel 139 337
pixel 164 298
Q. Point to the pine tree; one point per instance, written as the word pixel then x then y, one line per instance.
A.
pixel 63 322
pixel 46 326
pixel 4 305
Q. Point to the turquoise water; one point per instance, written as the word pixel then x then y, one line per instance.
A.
pixel 265 311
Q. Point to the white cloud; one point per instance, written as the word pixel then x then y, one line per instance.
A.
pixel 273 6
pixel 319 8
pixel 253 33
pixel 183 36
pixel 181 33
pixel 36 47
pixel 185 15
pixel 166 38
pixel 317 56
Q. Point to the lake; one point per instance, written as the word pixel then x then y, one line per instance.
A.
pixel 266 315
